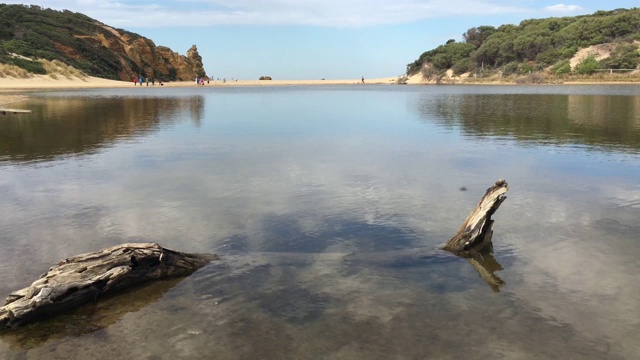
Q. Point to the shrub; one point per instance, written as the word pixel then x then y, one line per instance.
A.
pixel 562 67
pixel 587 66
pixel 265 78
pixel 511 68
pixel 527 68
pixel 429 72
pixel 402 80
pixel 625 56
pixel 533 78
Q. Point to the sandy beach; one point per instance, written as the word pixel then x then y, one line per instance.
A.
pixel 43 82
pixel 13 90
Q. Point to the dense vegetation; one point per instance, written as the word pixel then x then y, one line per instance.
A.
pixel 538 44
pixel 39 33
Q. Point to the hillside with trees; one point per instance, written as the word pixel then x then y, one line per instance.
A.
pixel 540 45
pixel 31 35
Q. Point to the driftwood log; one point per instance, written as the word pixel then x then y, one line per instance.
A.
pixel 83 278
pixel 476 231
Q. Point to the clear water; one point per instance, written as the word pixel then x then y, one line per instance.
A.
pixel 308 194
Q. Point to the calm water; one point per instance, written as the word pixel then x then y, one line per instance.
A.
pixel 289 184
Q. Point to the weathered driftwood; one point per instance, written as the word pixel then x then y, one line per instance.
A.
pixel 476 231
pixel 83 278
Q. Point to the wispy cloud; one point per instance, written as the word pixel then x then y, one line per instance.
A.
pixel 564 8
pixel 342 13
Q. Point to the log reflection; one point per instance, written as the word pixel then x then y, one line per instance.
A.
pixel 482 260
pixel 486 266
pixel 88 318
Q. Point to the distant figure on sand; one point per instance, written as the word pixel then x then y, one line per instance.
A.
pixel 140 80
pixel 135 81
pixel 363 79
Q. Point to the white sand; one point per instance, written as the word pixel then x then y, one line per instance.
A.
pixel 39 82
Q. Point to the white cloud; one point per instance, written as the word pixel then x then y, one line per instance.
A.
pixel 563 8
pixel 274 12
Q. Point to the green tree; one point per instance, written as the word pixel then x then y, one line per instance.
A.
pixel 443 57
pixel 495 51
pixel 462 66
pixel 477 35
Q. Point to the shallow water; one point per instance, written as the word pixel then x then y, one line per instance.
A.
pixel 291 184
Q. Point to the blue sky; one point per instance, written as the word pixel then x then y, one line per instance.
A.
pixel 313 39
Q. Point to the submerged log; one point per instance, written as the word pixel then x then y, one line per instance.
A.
pixel 85 277
pixel 476 231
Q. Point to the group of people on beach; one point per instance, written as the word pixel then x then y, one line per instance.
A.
pixel 140 80
pixel 200 81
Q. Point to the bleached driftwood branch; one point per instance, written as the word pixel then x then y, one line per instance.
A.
pixel 83 278
pixel 476 231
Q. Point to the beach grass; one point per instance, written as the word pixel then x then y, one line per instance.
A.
pixel 54 69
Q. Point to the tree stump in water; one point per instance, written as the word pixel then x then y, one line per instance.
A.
pixel 83 278
pixel 476 231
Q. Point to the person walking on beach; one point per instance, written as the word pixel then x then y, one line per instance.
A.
pixel 363 79
pixel 135 81
pixel 140 80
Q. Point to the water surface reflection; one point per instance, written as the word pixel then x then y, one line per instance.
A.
pixel 71 126
pixel 604 121
pixel 291 184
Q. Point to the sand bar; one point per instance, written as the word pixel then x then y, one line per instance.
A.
pixel 43 82
pixel 15 90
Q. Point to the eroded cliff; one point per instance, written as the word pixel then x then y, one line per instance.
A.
pixel 139 56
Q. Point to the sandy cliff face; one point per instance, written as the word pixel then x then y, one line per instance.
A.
pixel 140 56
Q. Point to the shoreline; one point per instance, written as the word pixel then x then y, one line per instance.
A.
pixel 43 82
